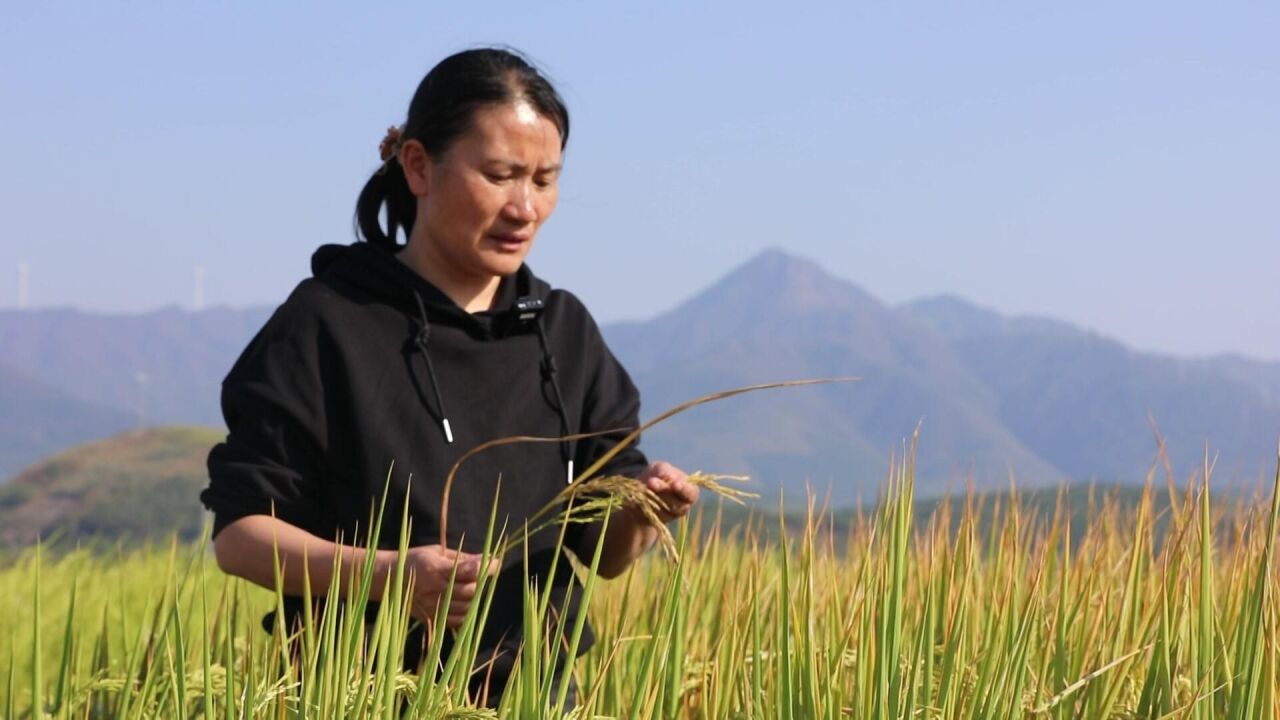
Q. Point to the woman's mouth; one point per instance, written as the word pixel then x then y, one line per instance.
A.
pixel 510 242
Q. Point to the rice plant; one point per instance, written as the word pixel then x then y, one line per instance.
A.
pixel 884 618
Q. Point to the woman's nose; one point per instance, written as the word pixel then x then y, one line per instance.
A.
pixel 520 204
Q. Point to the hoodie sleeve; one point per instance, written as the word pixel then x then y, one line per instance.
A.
pixel 273 404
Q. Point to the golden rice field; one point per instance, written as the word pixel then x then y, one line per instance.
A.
pixel 889 618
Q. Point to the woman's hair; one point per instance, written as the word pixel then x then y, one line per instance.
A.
pixel 442 109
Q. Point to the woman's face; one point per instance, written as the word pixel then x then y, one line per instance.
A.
pixel 481 203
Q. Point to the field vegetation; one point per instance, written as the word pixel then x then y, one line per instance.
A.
pixel 1161 608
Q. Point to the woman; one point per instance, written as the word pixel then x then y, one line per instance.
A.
pixel 393 360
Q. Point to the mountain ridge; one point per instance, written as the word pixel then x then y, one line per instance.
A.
pixel 1032 396
pixel 734 334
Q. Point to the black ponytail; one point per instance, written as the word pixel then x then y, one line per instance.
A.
pixel 387 187
pixel 441 110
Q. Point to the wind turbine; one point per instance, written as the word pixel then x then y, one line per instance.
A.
pixel 141 379
pixel 24 285
pixel 197 296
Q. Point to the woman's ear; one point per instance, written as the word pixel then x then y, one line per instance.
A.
pixel 416 164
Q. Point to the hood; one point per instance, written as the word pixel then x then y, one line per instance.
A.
pixel 375 274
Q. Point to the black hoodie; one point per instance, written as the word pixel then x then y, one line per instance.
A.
pixel 349 385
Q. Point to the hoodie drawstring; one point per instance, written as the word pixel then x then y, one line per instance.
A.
pixel 549 373
pixel 424 334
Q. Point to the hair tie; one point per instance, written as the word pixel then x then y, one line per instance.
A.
pixel 390 145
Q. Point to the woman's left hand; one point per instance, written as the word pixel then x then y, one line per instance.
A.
pixel 672 486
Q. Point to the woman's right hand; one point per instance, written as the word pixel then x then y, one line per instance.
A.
pixel 431 566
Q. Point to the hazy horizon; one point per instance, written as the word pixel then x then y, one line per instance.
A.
pixel 189 307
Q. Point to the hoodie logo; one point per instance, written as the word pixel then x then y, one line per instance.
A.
pixel 528 308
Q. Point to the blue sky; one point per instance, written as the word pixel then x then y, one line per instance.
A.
pixel 1113 165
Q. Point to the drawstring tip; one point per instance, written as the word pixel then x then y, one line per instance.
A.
pixel 448 432
pixel 569 480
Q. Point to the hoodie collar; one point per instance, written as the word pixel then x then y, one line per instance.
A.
pixel 377 273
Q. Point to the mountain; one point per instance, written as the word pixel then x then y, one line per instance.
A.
pixel 1085 403
pixel 1034 398
pixel 780 317
pixel 68 376
pixel 169 363
pixel 1259 377
pixel 37 419
pixel 135 486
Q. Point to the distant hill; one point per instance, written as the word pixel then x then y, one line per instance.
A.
pixel 134 486
pixel 780 317
pixel 182 356
pixel 1083 402
pixel 143 485
pixel 37 419
pixel 1033 397
pixel 68 376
